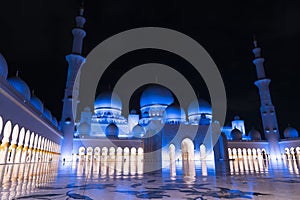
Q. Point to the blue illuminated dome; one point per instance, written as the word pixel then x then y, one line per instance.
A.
pixel 54 121
pixel 133 112
pixel 3 67
pixel 112 130
pixel 198 107
pixel 37 103
pixel 84 128
pixel 174 113
pixel 254 134
pixel 236 134
pixel 290 132
pixel 156 94
pixel 47 114
pixel 20 86
pixel 138 131
pixel 108 100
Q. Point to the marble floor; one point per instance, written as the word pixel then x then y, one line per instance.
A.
pixel 245 179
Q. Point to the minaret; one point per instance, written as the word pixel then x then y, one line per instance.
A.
pixel 268 114
pixel 70 101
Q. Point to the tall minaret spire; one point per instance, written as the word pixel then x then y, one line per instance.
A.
pixel 255 41
pixel 78 32
pixel 258 61
pixel 268 114
pixel 70 101
pixel 81 9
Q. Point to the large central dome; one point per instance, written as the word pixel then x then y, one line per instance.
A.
pixel 198 107
pixel 108 108
pixel 108 100
pixel 156 94
pixel 174 114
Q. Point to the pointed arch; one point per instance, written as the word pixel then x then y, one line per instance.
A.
pixel 97 151
pixel 5 142
pixel 126 151
pixel 240 153
pixel 104 151
pixel 119 151
pixel 230 153
pixel 89 154
pixel 81 153
pixel 133 151
pixel 234 153
pixel 140 151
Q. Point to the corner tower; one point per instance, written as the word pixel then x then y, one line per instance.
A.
pixel 267 110
pixel 70 101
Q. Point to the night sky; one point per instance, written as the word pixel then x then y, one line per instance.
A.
pixel 36 36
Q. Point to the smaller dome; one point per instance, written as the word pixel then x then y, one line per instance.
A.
pixel 290 132
pixel 236 117
pixel 87 109
pixel 54 121
pixel 174 112
pixel 198 107
pixel 133 112
pixel 236 134
pixel 108 100
pixel 47 114
pixel 3 67
pixel 254 134
pixel 112 130
pixel 37 103
pixel 20 86
pixel 84 128
pixel 138 131
pixel 156 94
pixel 145 114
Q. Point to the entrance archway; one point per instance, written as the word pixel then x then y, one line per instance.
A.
pixel 187 149
pixel 188 157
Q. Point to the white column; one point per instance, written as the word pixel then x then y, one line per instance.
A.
pixel 34 151
pixel 20 146
pixel 25 149
pixel 13 144
pixel 5 142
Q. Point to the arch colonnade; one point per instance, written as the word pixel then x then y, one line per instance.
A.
pixel 21 145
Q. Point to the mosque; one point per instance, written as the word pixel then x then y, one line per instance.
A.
pixel 162 134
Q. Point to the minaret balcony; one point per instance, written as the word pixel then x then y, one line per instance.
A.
pixel 79 32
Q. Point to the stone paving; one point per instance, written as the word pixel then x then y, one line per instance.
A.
pixel 86 181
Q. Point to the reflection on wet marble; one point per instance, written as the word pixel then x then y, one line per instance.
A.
pixel 246 179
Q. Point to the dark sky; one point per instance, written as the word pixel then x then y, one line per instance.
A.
pixel 36 36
